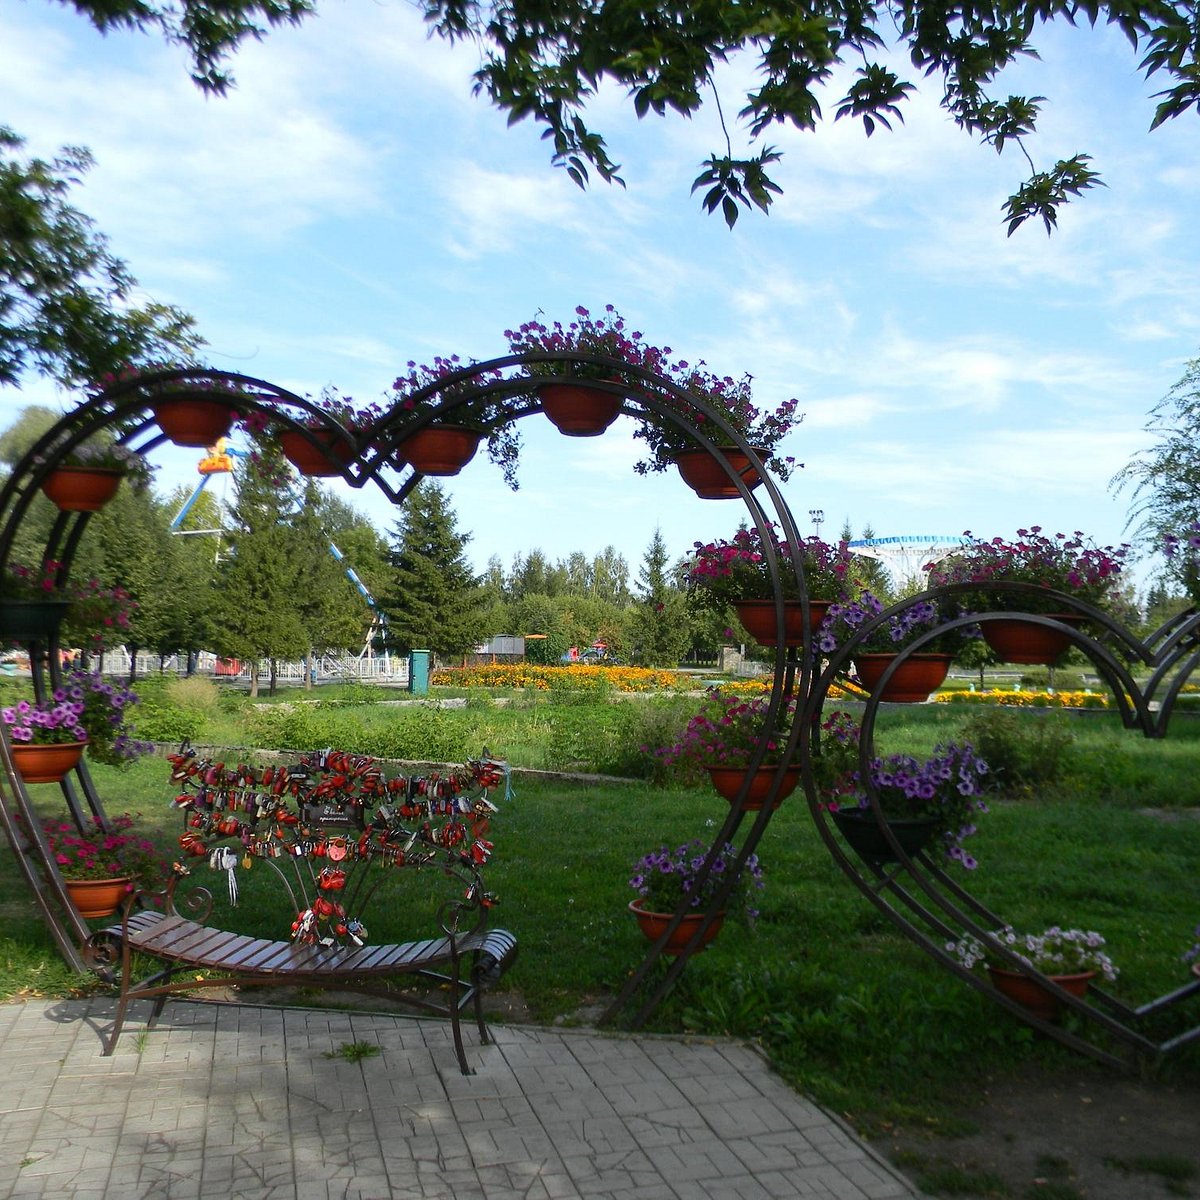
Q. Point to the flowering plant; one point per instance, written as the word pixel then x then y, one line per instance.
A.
pixel 103 709
pixel 835 764
pixel 481 410
pixel 99 616
pixel 332 404
pixel 1192 955
pixel 1065 564
pixel 947 787
pixel 843 621
pixel 723 572
pixel 664 877
pixel 111 456
pixel 1183 557
pixel 726 732
pixel 100 854
pixel 32 583
pixel 45 723
pixel 1053 952
pixel 764 429
pixel 606 335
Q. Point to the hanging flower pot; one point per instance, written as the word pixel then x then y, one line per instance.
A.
pixel 31 620
pixel 653 925
pixel 193 421
pixel 861 829
pixel 758 619
pixel 1019 641
pixel 707 476
pixel 914 681
pixel 728 783
pixel 82 489
pixel 1033 996
pixel 579 409
pixel 98 897
pixel 40 763
pixel 441 449
pixel 313 460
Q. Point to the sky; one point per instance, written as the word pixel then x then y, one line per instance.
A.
pixel 350 205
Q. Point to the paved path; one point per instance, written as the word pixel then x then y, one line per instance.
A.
pixel 246 1101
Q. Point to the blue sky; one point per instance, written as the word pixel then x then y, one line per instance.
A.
pixel 350 205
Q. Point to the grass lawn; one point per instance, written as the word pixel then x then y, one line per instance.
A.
pixel 847 1008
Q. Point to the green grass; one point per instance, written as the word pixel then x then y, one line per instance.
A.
pixel 846 1007
pixel 354 1052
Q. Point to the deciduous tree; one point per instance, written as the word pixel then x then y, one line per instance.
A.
pixel 64 296
pixel 1164 479
pixel 550 62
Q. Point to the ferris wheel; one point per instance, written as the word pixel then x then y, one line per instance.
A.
pixel 905 554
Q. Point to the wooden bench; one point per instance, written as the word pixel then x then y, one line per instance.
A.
pixel 333 828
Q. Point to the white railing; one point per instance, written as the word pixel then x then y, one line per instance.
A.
pixel 384 668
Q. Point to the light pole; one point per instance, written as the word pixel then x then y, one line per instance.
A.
pixel 817 515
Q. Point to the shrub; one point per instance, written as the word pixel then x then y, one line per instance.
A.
pixel 353 693
pixel 660 722
pixel 196 694
pixel 160 721
pixel 1024 750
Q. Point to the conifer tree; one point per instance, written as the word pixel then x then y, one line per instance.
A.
pixel 434 601
pixel 662 632
pixel 255 610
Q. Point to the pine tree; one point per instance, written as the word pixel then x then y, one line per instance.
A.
pixel 662 632
pixel 255 604
pixel 434 601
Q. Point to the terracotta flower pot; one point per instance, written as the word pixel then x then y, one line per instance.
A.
pixel 1019 641
pixel 758 619
pixel 192 421
pixel 707 477
pixel 441 449
pixel 1031 995
pixel 860 828
pixel 654 925
pixel 46 764
pixel 579 409
pixel 82 489
pixel 98 897
pixel 914 681
pixel 312 460
pixel 728 781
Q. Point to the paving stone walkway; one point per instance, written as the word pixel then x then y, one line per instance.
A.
pixel 253 1102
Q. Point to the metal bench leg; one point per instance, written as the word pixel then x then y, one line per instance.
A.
pixel 110 1043
pixel 455 1023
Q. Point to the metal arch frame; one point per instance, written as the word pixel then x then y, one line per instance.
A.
pixel 920 899
pixel 938 907
pixel 123 409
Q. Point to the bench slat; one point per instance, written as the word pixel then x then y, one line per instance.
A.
pixel 189 942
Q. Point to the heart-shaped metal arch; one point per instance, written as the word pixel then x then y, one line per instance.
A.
pixel 915 894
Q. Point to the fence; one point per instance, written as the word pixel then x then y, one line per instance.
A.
pixel 384 668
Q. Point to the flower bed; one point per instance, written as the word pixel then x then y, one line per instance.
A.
pixel 525 675
pixel 1027 699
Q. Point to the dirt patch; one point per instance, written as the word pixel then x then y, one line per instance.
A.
pixel 1082 1133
